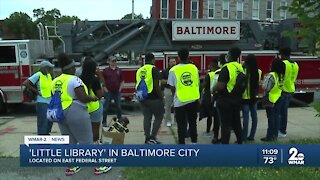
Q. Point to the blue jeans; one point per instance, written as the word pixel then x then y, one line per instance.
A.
pixel 117 100
pixel 273 115
pixel 252 107
pixel 284 111
pixel 44 126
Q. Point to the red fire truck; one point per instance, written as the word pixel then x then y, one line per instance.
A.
pixel 18 60
pixel 206 39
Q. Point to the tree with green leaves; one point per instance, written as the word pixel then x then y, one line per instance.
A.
pixel 308 13
pixel 51 18
pixel 135 16
pixel 21 26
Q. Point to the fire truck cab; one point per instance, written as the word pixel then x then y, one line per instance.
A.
pixel 18 60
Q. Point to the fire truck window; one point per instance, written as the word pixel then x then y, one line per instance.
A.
pixel 7 54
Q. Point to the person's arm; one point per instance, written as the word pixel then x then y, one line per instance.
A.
pixel 104 76
pixel 32 81
pixel 28 84
pixel 100 76
pixel 222 80
pixel 205 82
pixel 171 82
pixel 121 80
pixel 164 77
pixel 121 86
pixel 156 85
pixel 97 89
pixel 82 95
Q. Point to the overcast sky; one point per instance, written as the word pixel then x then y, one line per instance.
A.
pixel 84 9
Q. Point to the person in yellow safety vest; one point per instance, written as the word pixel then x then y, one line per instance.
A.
pixel 95 108
pixel 43 81
pixel 272 99
pixel 74 96
pixel 288 88
pixel 184 81
pixel 249 97
pixel 153 104
pixel 207 100
pixel 90 79
pixel 228 106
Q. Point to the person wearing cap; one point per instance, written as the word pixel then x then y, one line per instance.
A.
pixel 43 81
pixel 113 82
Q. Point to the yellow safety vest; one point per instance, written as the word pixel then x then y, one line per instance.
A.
pixel 290 76
pixel 146 73
pixel 94 105
pixel 233 68
pixel 275 92
pixel 246 94
pixel 45 84
pixel 61 84
pixel 187 87
pixel 211 75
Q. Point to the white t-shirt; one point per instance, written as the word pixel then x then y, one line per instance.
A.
pixel 73 84
pixel 172 81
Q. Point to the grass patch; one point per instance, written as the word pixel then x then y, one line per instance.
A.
pixel 195 173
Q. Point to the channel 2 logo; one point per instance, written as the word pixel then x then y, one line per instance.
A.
pixel 295 158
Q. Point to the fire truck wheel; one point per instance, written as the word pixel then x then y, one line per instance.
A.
pixel 2 106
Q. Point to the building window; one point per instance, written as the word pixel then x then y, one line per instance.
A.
pixel 179 12
pixel 225 9
pixel 164 9
pixel 255 9
pixel 194 9
pixel 283 12
pixel 240 9
pixel 269 10
pixel 211 6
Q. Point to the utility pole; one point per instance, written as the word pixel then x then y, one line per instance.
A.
pixel 132 17
pixel 132 14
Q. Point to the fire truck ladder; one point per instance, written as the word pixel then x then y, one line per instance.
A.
pixel 106 37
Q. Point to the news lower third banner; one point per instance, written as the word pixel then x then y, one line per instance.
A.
pixel 169 155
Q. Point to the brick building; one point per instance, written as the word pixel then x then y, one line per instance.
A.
pixel 262 10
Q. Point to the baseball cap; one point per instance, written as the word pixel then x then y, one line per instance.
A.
pixel 112 58
pixel 46 64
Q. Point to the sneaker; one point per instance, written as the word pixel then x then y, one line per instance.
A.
pixel 72 170
pixel 102 169
pixel 250 139
pixel 151 141
pixel 282 135
pixel 169 124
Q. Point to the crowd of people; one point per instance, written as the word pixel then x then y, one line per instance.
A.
pixel 81 93
pixel 219 97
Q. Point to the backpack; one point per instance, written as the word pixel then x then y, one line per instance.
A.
pixel 29 93
pixel 55 111
pixel 141 92
pixel 240 85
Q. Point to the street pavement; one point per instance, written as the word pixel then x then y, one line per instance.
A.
pixel 22 121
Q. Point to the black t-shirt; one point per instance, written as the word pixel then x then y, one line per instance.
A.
pixel 165 75
pixel 224 77
pixel 207 80
pixel 155 75
pixel 95 85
